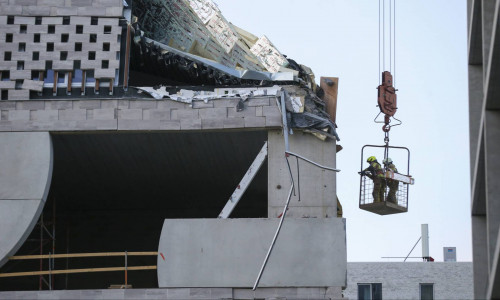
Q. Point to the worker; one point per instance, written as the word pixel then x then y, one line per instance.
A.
pixel 392 184
pixel 375 173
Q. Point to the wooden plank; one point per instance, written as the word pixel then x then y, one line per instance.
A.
pixel 70 271
pixel 330 86
pixel 98 254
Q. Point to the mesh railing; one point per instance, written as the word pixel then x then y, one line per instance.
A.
pixel 388 192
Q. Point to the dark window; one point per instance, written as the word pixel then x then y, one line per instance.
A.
pixel 9 37
pixel 79 29
pixel 50 47
pixel 91 55
pixel 38 20
pixel 78 46
pixel 36 55
pixel 19 84
pixel 36 38
pixel 48 65
pixel 10 20
pixel 5 75
pixel 105 47
pixel 7 56
pixel 426 291
pixel 66 20
pixel 22 47
pixel 20 65
pixel 52 28
pixel 107 29
pixel 5 94
pixel 23 29
pixel 64 37
pixel 94 21
pixel 369 291
pixel 35 75
pixel 93 38
pixel 64 55
pixel 105 64
pixel 76 64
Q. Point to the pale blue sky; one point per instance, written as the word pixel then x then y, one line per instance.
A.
pixel 340 38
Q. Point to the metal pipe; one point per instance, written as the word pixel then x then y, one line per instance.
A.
pixel 285 123
pixel 312 162
pixel 274 238
pixel 412 248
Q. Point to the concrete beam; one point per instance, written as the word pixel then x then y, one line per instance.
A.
pixel 492 76
pixel 475 38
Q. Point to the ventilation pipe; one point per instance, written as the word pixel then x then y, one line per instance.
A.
pixel 425 243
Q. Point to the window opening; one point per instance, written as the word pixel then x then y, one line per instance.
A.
pixel 66 20
pixel 22 47
pixel 93 38
pixel 38 20
pixel 105 64
pixel 20 65
pixel 64 55
pixel 23 28
pixel 5 95
pixel 91 55
pixel 7 56
pixel 36 38
pixel 5 75
pixel 426 291
pixel 36 56
pixel 78 46
pixel 105 46
pixel 10 20
pixel 64 37
pixel 79 29
pixel 35 75
pixel 50 47
pixel 369 291
pixel 9 37
pixel 94 21
pixel 52 29
pixel 107 29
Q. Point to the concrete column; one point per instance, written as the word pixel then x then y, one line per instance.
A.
pixel 475 108
pixel 479 256
pixel 492 163
pixel 25 176
pixel 317 186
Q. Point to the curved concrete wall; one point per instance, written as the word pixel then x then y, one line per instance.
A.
pixel 25 175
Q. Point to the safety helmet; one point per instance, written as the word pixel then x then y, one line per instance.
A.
pixel 371 159
pixel 387 161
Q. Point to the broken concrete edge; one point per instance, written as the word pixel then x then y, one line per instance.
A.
pixel 305 110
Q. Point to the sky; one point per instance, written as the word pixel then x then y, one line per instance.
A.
pixel 339 38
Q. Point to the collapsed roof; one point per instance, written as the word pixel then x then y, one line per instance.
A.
pixel 190 43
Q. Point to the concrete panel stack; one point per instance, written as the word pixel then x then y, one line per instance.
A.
pixel 49 40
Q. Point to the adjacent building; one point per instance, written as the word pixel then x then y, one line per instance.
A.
pixel 484 121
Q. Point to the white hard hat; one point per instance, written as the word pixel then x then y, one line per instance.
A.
pixel 387 160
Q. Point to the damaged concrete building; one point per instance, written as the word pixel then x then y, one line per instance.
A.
pixel 153 146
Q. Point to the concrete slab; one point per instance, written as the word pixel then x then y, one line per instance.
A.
pixel 310 252
pixel 26 159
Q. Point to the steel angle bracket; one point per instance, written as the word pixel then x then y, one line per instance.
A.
pixel 244 183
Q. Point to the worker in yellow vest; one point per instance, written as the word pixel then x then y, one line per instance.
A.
pixel 375 173
pixel 391 183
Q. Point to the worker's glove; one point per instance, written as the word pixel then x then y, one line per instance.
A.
pixel 362 173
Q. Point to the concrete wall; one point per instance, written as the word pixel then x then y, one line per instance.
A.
pixel 484 124
pixel 230 252
pixel 133 114
pixel 317 186
pixel 452 280
pixel 25 175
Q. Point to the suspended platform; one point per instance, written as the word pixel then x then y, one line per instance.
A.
pixel 392 193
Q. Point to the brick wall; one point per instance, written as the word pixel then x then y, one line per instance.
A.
pixel 68 46
pixel 133 114
pixel 452 280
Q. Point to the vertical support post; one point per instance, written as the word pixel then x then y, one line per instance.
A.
pixel 53 237
pixel 54 88
pixel 50 270
pixel 127 58
pixel 68 88
pixel 285 123
pixel 84 81
pixel 425 241
pixel 41 251
pixel 126 265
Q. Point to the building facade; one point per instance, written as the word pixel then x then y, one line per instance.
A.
pixel 484 122
pixel 409 280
